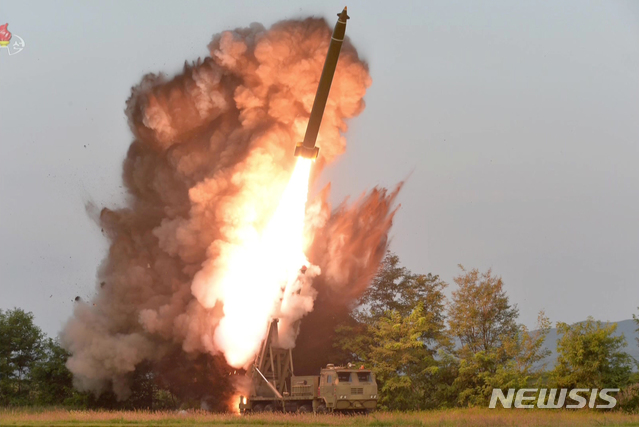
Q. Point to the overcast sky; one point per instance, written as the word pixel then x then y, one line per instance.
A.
pixel 517 122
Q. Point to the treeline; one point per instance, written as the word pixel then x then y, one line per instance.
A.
pixel 427 351
pixel 33 372
pixel 32 366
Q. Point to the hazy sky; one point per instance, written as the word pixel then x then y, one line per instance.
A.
pixel 518 121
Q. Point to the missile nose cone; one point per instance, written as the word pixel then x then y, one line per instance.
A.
pixel 344 15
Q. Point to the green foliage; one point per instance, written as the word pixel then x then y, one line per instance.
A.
pixel 480 315
pixel 20 349
pixel 395 288
pixel 397 330
pixel 400 358
pixel 634 316
pixel 628 399
pixel 33 372
pixel 590 355
pixel 494 351
pixel 53 380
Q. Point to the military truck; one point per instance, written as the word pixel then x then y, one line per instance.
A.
pixel 274 386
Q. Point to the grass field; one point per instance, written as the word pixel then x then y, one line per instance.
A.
pixel 457 417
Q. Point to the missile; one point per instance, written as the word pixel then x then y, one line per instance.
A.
pixel 307 148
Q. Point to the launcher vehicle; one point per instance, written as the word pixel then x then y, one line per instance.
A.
pixel 274 386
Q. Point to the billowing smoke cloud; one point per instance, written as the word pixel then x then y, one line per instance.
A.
pixel 211 155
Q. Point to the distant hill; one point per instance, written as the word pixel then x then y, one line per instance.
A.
pixel 626 328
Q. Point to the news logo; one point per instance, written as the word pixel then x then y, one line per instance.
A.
pixel 526 398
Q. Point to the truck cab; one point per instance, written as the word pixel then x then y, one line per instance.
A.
pixel 346 388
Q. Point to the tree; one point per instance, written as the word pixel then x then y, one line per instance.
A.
pixel 143 388
pixel 402 352
pixel 20 349
pixel 397 329
pixel 400 358
pixel 634 316
pixel 591 356
pixel 33 370
pixel 53 380
pixel 494 351
pixel 515 364
pixel 480 315
pixel 395 288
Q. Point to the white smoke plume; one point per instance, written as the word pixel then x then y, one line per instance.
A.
pixel 211 156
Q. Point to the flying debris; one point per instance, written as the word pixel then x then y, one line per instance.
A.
pixel 307 148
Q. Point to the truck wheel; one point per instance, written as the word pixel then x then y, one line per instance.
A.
pixel 269 408
pixel 321 409
pixel 304 409
pixel 258 408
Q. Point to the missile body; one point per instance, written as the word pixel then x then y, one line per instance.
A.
pixel 307 148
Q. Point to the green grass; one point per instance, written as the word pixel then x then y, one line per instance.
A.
pixel 443 418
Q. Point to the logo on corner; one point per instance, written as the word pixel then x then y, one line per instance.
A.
pixel 13 43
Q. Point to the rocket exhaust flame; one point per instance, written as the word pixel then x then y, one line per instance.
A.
pixel 261 271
